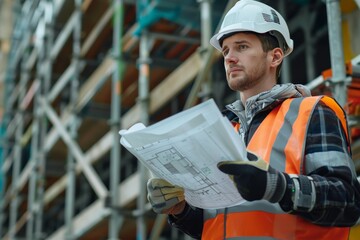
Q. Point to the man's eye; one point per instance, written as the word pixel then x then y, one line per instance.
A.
pixel 225 52
pixel 242 47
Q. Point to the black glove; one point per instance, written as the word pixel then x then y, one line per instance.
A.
pixel 256 180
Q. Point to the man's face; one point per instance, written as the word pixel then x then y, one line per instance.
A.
pixel 245 61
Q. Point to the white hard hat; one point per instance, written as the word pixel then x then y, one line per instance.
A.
pixel 254 16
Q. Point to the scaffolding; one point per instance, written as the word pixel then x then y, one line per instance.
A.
pixel 80 70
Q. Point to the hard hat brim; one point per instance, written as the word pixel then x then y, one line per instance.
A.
pixel 215 40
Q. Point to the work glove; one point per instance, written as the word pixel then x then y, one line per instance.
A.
pixel 255 180
pixel 164 197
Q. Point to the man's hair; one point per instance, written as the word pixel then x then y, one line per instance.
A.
pixel 268 42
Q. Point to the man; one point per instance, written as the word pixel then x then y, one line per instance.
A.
pixel 300 182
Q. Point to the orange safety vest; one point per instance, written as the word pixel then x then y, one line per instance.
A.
pixel 280 140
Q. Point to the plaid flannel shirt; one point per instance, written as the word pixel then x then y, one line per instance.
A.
pixel 337 188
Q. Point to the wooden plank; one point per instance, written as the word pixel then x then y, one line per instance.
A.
pixel 29 95
pixel 104 20
pixel 19 224
pixel 63 36
pixel 175 82
pixel 95 81
pixel 91 156
pixel 96 212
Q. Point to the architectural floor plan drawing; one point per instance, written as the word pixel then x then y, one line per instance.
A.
pixel 177 164
pixel 187 155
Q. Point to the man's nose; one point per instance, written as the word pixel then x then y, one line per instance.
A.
pixel 231 57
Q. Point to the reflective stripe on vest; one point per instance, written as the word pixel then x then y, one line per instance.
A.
pixel 280 140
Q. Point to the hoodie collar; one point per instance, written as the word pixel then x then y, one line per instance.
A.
pixel 256 103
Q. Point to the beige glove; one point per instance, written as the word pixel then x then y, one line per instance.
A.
pixel 164 197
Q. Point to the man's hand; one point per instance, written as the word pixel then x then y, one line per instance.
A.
pixel 164 197
pixel 255 180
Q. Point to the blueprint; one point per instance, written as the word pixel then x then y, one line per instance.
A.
pixel 185 149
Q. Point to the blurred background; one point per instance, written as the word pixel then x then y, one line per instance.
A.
pixel 75 72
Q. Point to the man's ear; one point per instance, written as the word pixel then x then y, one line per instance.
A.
pixel 277 56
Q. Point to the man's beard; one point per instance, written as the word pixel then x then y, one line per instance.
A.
pixel 245 81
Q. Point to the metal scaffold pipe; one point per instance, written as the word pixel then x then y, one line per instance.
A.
pixel 115 218
pixel 206 23
pixel 73 128
pixel 144 72
pixel 285 69
pixel 143 101
pixel 358 3
pixel 6 144
pixel 17 155
pixel 336 50
pixel 206 31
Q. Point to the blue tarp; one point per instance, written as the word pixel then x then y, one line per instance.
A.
pixel 184 12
